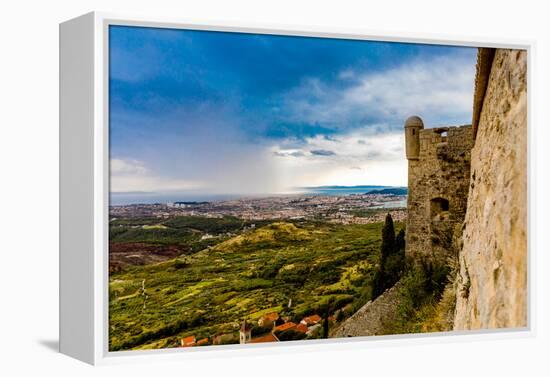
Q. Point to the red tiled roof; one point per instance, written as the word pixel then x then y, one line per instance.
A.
pixel 265 339
pixel 188 341
pixel 301 328
pixel 285 326
pixel 202 342
pixel 312 319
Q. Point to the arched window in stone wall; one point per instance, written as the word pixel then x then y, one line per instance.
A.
pixel 437 206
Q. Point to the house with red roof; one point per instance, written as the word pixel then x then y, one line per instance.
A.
pixel 202 342
pixel 268 320
pixel 285 326
pixel 311 320
pixel 189 341
pixel 265 339
pixel 301 328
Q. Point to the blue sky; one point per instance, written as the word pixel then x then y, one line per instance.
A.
pixel 219 113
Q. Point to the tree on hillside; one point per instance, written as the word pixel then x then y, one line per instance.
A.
pixel 378 283
pixel 395 263
pixel 326 319
pixel 400 241
pixel 392 258
pixel 388 239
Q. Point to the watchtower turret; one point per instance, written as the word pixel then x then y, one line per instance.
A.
pixel 413 125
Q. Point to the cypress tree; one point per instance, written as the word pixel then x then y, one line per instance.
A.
pixel 388 240
pixel 325 319
pixel 400 241
pixel 382 277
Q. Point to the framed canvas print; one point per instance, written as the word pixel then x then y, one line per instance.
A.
pixel 234 189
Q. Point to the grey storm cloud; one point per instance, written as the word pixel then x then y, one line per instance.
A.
pixel 322 152
pixel 439 89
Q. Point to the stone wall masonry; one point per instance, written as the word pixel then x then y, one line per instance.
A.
pixel 370 319
pixel 492 282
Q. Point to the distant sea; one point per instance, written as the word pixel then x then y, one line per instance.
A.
pixel 152 198
pixel 340 190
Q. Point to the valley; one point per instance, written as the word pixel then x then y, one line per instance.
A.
pixel 202 277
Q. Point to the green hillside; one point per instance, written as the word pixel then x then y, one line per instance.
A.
pixel 207 293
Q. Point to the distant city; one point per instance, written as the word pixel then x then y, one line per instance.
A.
pixel 338 204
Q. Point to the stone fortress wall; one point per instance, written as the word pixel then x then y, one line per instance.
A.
pixel 492 281
pixel 468 195
pixel 468 199
pixel 439 171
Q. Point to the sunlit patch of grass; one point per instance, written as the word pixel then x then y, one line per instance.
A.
pixel 263 312
pixel 135 294
pixel 156 226
pixel 280 231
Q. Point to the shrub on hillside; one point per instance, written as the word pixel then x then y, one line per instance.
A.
pixel 421 289
pixel 180 263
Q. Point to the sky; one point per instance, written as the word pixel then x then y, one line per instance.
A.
pixel 198 112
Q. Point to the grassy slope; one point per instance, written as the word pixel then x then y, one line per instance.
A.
pixel 209 292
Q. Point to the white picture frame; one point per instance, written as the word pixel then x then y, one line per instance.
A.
pixel 84 190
